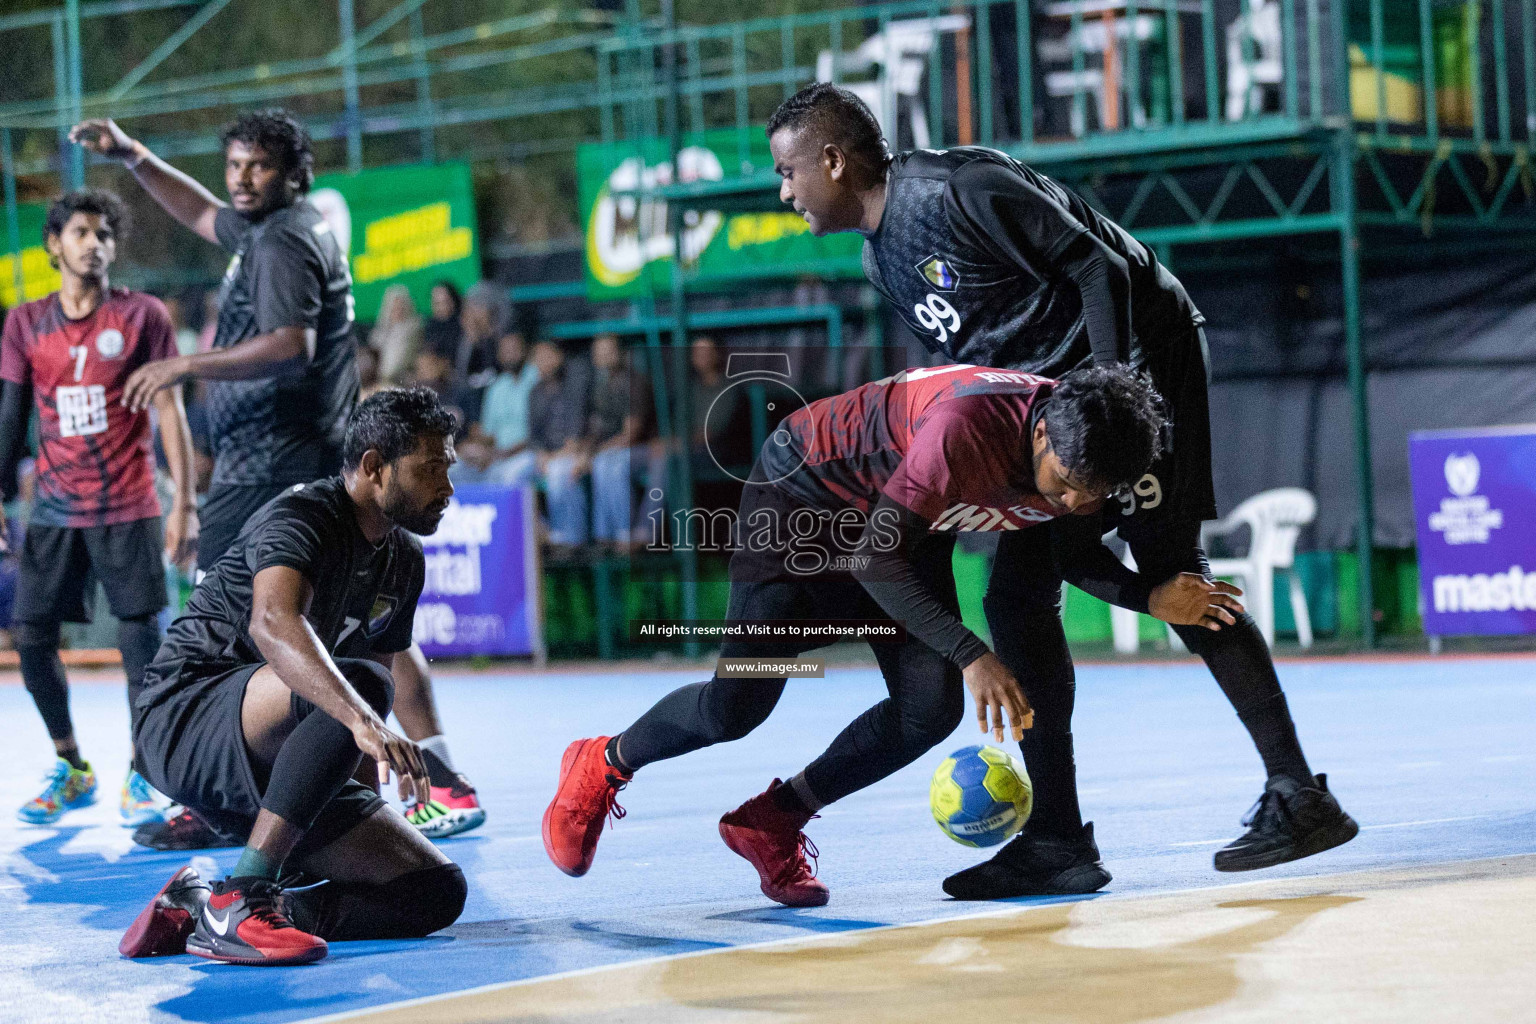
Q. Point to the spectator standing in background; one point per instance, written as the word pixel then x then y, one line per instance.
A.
pixel 442 331
pixel 497 446
pixel 619 423
pixel 396 335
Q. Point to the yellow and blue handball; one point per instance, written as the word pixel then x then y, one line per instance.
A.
pixel 981 796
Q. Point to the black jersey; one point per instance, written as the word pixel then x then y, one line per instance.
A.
pixel 364 594
pixel 287 271
pixel 995 264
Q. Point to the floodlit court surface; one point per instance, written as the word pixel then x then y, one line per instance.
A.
pixel 1427 916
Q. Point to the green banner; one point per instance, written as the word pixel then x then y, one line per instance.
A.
pixel 29 276
pixel 407 225
pixel 627 237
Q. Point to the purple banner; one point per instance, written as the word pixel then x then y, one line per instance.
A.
pixel 481 592
pixel 1474 500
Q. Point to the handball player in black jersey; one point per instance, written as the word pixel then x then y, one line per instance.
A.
pixel 266 704
pixel 994 264
pixel 851 513
pixel 280 381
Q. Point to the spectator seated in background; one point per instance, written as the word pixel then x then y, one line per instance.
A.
pixel 487 315
pixel 433 370
pixel 396 335
pixel 442 331
pixel 556 452
pixel 619 425
pixel 501 434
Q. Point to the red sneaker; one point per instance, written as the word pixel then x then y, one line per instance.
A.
pixel 771 841
pixel 586 795
pixel 161 929
pixel 243 923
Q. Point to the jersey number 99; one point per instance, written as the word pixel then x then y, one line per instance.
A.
pixel 937 315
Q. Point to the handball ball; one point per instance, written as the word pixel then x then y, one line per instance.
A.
pixel 981 796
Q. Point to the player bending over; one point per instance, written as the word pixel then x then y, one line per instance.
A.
pixel 878 477
pixel 96 515
pixel 281 377
pixel 266 704
pixel 993 263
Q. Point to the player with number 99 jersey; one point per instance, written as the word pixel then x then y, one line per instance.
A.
pixel 94 461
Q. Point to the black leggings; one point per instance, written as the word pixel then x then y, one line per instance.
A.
pixel 925 702
pixel 1023 606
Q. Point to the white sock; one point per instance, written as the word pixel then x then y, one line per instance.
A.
pixel 439 746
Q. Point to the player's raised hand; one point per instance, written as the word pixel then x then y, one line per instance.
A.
pixel 996 691
pixel 102 136
pixel 394 754
pixel 1189 599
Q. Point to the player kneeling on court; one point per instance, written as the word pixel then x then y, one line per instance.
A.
pixel 265 707
pixel 871 486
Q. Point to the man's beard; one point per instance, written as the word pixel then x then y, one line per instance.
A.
pixel 421 521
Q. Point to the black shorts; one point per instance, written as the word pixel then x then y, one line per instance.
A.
pixel 56 580
pixel 1177 490
pixel 224 513
pixel 191 747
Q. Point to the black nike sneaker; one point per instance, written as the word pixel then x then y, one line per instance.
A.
pixel 1289 822
pixel 243 923
pixel 1034 865
pixel 185 831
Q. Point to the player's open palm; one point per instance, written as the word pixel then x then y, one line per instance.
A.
pixel 394 754
pixel 997 693
pixel 102 136
pixel 1189 599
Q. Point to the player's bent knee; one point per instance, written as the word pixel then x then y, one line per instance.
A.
pixel 372 682
pixel 35 635
pixel 432 898
pixel 732 710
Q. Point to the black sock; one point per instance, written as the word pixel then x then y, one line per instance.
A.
pixel 72 755
pixel 439 773
pixel 787 800
pixel 1239 659
pixel 611 755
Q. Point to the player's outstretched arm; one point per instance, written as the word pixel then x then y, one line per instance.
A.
pixel 280 595
pixel 892 534
pixel 180 194
pixel 281 351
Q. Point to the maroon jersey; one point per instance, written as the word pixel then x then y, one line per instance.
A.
pixel 950 443
pixel 94 463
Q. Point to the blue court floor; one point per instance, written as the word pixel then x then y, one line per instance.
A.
pixel 1434 757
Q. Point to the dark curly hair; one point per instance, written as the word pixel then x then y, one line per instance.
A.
pixel 282 136
pixel 834 115
pixel 1105 424
pixel 392 422
pixel 86 200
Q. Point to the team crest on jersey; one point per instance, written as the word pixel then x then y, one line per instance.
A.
pixel 937 272
pixel 109 343
pixel 378 617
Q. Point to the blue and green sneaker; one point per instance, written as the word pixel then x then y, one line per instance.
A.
pixel 68 788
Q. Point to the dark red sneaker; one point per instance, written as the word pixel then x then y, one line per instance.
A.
pixel 771 841
pixel 243 923
pixel 585 796
pixel 186 831
pixel 161 929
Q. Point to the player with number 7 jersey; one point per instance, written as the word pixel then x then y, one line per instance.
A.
pixel 94 461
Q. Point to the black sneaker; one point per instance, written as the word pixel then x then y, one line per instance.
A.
pixel 186 831
pixel 1034 865
pixel 1289 821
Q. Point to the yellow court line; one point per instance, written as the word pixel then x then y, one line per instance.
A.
pixel 1109 960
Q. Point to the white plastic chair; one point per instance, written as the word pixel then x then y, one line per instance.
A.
pixel 1254 44
pixel 900 55
pixel 1274 519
